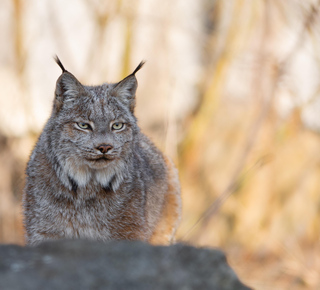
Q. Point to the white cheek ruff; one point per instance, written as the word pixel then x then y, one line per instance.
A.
pixel 80 173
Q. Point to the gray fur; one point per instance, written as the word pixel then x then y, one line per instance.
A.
pixel 75 191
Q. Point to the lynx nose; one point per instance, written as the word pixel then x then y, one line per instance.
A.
pixel 104 148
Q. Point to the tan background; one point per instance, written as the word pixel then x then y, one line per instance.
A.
pixel 230 90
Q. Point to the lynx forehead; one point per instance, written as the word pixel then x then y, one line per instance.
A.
pixel 104 106
pixel 93 174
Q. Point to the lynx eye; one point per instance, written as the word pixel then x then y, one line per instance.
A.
pixel 117 126
pixel 83 125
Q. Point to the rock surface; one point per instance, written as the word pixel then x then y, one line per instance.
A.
pixel 114 265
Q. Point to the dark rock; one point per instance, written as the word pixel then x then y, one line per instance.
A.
pixel 114 265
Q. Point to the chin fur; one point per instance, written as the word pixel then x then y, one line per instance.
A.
pixel 107 173
pixel 112 175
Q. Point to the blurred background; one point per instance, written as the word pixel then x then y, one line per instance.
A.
pixel 230 90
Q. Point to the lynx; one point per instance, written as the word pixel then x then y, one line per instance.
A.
pixel 94 175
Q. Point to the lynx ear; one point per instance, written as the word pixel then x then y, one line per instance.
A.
pixel 125 90
pixel 68 88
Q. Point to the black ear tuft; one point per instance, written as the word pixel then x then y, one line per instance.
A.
pixel 139 67
pixel 125 90
pixel 56 58
pixel 68 89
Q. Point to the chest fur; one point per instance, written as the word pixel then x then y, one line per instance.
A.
pixel 111 217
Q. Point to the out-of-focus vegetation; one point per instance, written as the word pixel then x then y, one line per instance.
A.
pixel 231 91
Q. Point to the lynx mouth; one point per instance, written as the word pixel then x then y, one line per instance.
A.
pixel 100 159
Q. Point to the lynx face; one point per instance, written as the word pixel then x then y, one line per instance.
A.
pixel 98 132
pixel 94 128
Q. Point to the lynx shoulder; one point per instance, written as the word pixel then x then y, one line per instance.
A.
pixel 94 175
